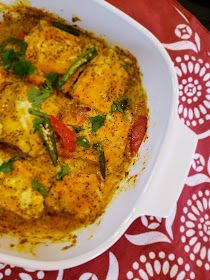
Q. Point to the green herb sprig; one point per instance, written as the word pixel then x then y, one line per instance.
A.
pixel 97 122
pixel 65 170
pixel 7 166
pixel 36 96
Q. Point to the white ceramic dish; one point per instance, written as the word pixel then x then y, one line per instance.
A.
pixel 159 185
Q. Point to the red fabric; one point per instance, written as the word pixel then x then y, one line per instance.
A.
pixel 177 247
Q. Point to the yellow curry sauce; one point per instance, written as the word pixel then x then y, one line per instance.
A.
pixel 73 113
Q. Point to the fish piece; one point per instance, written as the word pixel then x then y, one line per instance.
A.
pixel 102 82
pixel 78 194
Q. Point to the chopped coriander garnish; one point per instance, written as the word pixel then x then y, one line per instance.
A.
pixel 116 106
pixel 8 57
pixel 83 142
pixel 14 60
pixel 77 128
pixel 126 66
pixel 14 41
pixel 97 122
pixel 23 68
pixel 63 171
pixel 37 95
pixel 7 166
pixel 120 106
pixel 39 187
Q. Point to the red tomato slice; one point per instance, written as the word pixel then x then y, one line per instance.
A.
pixel 137 134
pixel 66 134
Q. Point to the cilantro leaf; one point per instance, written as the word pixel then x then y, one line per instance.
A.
pixel 7 166
pixel 14 60
pixel 8 57
pixel 39 187
pixel 14 41
pixel 120 106
pixel 37 96
pixel 77 128
pixel 63 171
pixel 23 67
pixel 83 142
pixel 116 106
pixel 126 66
pixel 97 122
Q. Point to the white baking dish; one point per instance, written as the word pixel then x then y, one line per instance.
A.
pixel 167 151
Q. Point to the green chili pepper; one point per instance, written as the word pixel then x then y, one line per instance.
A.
pixel 39 187
pixel 85 57
pixel 67 28
pixel 101 159
pixel 45 130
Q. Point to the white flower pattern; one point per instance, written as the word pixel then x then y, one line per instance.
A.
pixel 194 89
pixel 159 265
pixel 198 163
pixel 195 228
pixel 151 222
pixel 183 31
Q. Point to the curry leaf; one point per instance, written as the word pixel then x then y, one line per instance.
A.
pixel 97 122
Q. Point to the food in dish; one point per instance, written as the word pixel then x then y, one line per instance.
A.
pixel 73 113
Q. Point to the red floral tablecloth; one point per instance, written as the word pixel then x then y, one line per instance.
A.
pixel 177 247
